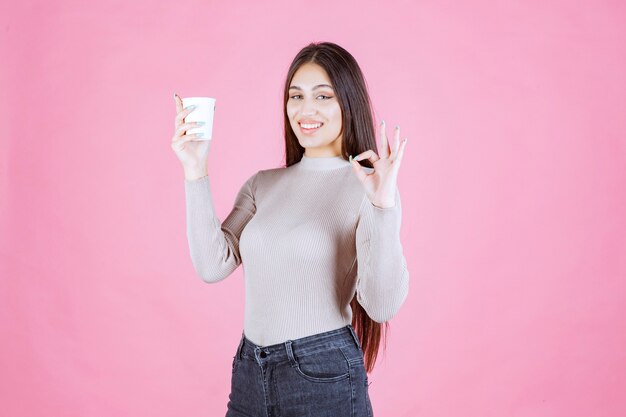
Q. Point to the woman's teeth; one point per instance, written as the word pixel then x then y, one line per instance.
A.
pixel 310 126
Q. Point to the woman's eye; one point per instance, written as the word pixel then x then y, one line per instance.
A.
pixel 327 97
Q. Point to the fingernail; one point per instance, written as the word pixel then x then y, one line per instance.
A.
pixel 356 158
pixel 350 158
pixel 200 123
pixel 397 127
pixel 383 122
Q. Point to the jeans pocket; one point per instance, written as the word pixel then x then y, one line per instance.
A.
pixel 327 365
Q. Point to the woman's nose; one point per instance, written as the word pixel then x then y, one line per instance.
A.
pixel 309 106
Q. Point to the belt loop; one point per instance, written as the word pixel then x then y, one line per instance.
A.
pixel 289 350
pixel 354 336
pixel 239 348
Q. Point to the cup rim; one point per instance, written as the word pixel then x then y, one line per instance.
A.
pixel 198 98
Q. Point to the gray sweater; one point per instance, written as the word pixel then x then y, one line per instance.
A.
pixel 308 237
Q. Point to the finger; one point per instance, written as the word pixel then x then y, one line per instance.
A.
pixel 182 114
pixel 384 147
pixel 185 127
pixel 358 170
pixel 396 143
pixel 179 108
pixel 187 138
pixel 398 158
pixel 369 154
pixel 396 139
pixel 179 103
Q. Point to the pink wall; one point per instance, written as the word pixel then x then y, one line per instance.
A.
pixel 513 187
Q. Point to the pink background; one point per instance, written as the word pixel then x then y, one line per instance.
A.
pixel 513 188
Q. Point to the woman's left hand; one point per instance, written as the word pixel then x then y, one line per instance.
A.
pixel 380 185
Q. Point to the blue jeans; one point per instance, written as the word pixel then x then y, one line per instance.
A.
pixel 322 375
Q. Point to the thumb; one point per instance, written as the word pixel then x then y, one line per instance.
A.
pixel 358 170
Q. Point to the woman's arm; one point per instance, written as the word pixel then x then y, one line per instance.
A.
pixel 214 246
pixel 382 275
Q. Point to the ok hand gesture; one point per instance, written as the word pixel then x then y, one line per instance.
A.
pixel 380 185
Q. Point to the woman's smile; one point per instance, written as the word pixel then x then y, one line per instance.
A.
pixel 310 128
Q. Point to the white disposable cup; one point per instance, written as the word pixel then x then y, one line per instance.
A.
pixel 204 112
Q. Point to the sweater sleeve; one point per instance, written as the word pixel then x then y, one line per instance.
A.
pixel 214 245
pixel 382 276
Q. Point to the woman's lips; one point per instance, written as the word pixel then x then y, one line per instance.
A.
pixel 310 131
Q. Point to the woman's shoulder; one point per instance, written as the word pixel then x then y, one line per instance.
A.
pixel 272 173
pixel 268 177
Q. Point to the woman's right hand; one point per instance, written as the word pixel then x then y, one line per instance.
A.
pixel 192 153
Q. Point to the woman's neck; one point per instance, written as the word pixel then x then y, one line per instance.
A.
pixel 323 162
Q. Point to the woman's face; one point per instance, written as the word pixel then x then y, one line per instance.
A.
pixel 312 101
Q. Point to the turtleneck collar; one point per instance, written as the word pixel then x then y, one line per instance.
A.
pixel 323 163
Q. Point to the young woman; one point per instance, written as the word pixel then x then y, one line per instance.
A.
pixel 319 240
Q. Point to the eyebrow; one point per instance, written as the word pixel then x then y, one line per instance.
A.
pixel 317 86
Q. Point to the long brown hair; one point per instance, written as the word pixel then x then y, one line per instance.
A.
pixel 358 136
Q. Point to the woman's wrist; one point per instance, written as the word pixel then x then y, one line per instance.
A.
pixel 193 173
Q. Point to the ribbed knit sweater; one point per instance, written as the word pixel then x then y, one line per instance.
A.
pixel 308 237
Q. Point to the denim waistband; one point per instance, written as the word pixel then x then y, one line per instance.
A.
pixel 280 352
